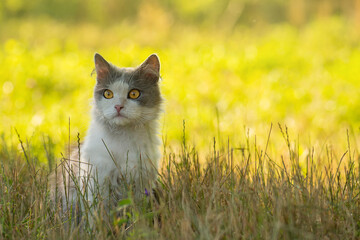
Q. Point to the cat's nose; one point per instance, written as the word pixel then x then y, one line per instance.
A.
pixel 119 107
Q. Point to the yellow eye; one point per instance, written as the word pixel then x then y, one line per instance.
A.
pixel 108 94
pixel 134 94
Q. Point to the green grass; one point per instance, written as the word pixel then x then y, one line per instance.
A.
pixel 235 193
pixel 305 78
pixel 232 174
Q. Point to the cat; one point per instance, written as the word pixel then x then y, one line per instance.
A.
pixel 121 151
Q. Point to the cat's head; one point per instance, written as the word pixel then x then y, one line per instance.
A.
pixel 127 96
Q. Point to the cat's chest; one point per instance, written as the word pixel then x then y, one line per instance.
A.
pixel 125 149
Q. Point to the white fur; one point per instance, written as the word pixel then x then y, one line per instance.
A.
pixel 121 146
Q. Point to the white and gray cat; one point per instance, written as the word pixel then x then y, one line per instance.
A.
pixel 121 149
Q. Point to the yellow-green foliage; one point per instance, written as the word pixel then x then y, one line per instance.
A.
pixel 217 81
pixel 300 183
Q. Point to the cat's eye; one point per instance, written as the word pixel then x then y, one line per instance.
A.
pixel 134 94
pixel 108 94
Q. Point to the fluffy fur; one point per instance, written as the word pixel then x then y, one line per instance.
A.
pixel 121 149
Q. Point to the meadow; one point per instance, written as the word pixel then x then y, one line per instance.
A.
pixel 260 128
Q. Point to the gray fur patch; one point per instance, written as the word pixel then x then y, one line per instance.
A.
pixel 144 79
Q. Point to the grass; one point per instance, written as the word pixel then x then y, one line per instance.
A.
pixel 261 181
pixel 276 73
pixel 236 193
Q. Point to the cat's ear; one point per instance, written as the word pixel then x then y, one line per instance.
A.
pixel 102 68
pixel 152 62
pixel 151 67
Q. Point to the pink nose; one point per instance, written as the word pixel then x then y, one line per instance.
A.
pixel 118 108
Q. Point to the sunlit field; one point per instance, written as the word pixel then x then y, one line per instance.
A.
pixel 305 78
pixel 260 128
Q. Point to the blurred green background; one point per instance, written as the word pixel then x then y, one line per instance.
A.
pixel 225 64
